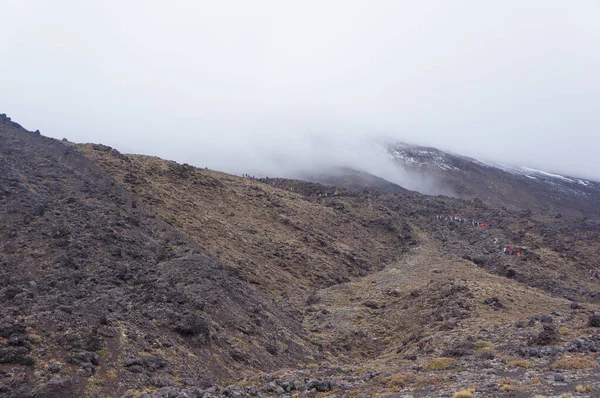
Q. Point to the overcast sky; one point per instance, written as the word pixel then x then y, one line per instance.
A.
pixel 264 86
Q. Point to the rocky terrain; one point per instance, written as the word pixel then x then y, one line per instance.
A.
pixel 132 276
pixel 99 292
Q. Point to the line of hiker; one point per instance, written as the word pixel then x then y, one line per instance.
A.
pixel 512 251
pixel 464 220
pixel 508 250
pixel 283 185
pixel 324 194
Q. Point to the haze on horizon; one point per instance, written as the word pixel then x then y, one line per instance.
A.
pixel 271 87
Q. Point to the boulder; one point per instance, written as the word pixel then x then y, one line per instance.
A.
pixel 594 321
pixel 371 304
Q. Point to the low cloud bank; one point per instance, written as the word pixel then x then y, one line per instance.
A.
pixel 304 155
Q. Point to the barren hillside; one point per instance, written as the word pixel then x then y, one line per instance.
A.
pixel 100 295
pixel 129 275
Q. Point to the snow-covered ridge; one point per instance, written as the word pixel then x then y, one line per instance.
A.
pixel 415 156
pixel 418 157
pixel 535 171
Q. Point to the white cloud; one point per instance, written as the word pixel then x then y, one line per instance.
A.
pixel 239 85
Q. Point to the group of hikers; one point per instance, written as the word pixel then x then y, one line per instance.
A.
pixel 509 250
pixel 324 194
pixel 512 251
pixel 464 220
pixel 285 186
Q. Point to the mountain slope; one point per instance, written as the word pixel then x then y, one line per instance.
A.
pixel 354 180
pixel 131 274
pixel 283 241
pixel 517 188
pixel 419 302
pixel 100 295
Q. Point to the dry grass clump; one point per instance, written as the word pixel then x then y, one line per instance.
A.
pixel 507 385
pixel 574 363
pixel 565 331
pixel 111 374
pixel 398 381
pixel 466 393
pixel 428 381
pixel 534 381
pixel 520 363
pixel 583 388
pixel 482 345
pixel 441 363
pixel 486 354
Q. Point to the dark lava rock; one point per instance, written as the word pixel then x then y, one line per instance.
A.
pixel 461 349
pixel 37 254
pixel 546 319
pixel 594 321
pixel 584 344
pixel 486 354
pixel 85 357
pixel 8 328
pixel 371 304
pixel 494 302
pixel 548 335
pixel 320 385
pixel 139 364
pixel 275 388
pixel 194 325
pixel 18 355
pixel 57 387
pixel 54 368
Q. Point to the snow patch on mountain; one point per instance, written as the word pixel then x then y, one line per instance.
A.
pixel 544 173
pixel 418 157
pixel 422 157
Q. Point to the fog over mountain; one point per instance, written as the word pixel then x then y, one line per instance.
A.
pixel 273 87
